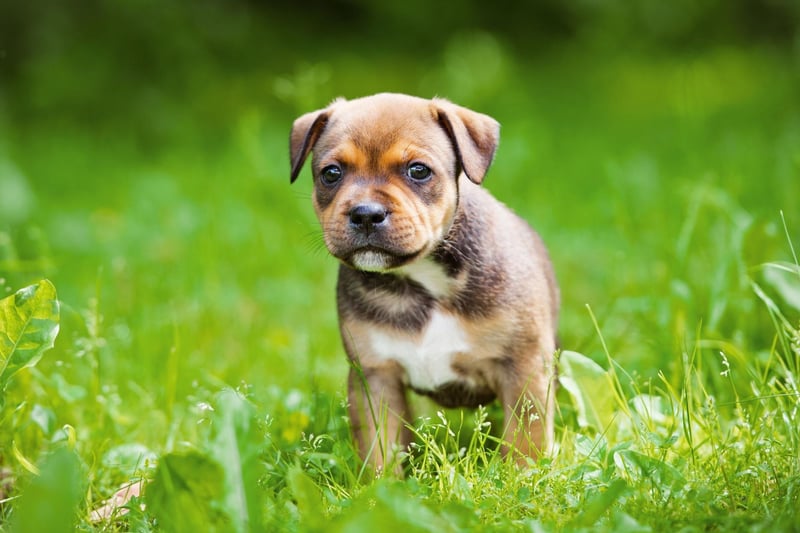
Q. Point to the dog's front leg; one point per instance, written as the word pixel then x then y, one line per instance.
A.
pixel 378 416
pixel 528 398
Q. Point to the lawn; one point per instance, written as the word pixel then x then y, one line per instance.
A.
pixel 195 353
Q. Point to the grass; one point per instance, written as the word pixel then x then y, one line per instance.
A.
pixel 198 347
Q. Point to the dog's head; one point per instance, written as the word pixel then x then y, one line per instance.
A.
pixel 386 171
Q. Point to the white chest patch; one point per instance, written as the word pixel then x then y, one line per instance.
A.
pixel 431 276
pixel 428 359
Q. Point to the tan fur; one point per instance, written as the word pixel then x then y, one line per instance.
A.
pixel 456 282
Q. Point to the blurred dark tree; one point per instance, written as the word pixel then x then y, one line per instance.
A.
pixel 93 58
pixel 152 38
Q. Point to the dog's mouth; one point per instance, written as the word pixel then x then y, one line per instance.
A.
pixel 376 259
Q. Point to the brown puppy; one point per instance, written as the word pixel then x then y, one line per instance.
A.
pixel 441 288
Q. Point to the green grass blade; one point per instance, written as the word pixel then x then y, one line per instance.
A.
pixel 29 321
pixel 237 445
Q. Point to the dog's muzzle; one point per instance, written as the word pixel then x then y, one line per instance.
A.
pixel 370 244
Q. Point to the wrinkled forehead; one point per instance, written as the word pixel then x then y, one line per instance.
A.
pixel 369 133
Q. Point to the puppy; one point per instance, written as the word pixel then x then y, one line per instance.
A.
pixel 442 289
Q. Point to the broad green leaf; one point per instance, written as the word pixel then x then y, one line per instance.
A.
pixel 28 327
pixel 186 493
pixel 50 502
pixel 129 457
pixel 622 522
pixel 590 387
pixel 308 498
pixel 388 506
pixel 598 503
pixel 785 279
pixel 236 445
pixel 638 467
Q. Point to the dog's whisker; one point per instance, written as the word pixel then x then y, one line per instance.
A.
pixel 302 195
pixel 315 242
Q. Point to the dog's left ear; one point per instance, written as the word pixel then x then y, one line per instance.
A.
pixel 305 132
pixel 474 137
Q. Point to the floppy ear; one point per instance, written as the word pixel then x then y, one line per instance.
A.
pixel 305 132
pixel 474 137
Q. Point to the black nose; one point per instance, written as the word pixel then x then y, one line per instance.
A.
pixel 365 217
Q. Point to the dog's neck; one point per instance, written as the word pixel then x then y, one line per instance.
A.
pixel 431 275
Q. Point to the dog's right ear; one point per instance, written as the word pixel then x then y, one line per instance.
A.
pixel 305 132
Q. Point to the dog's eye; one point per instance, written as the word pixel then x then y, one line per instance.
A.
pixel 419 172
pixel 331 174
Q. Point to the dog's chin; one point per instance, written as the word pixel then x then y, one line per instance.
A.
pixel 377 260
pixel 372 260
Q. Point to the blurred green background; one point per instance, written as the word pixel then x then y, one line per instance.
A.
pixel 144 170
